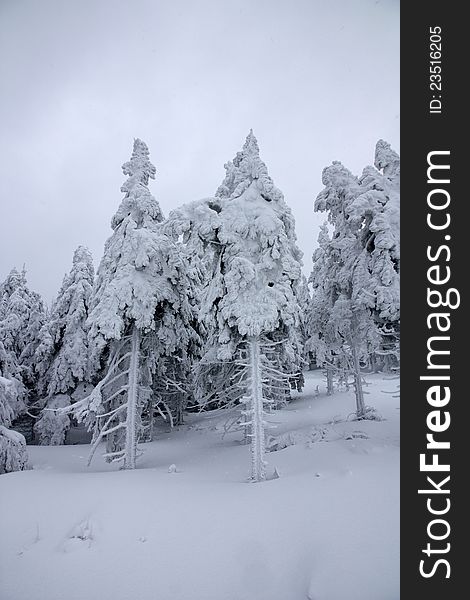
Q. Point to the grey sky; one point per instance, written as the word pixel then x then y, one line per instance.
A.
pixel 317 80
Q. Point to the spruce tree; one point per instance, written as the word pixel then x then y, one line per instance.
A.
pixel 249 306
pixel 140 315
pixel 62 355
pixel 22 315
pixel 381 240
pixel 356 272
pixel 350 323
pixel 322 342
pixel 13 455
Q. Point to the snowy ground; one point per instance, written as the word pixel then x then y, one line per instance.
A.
pixel 327 529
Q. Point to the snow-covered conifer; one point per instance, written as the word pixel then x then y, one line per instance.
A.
pixel 13 456
pixel 321 342
pixel 305 300
pixel 249 306
pixel 52 426
pixel 355 277
pixel 259 272
pixel 22 315
pixel 140 315
pixel 62 353
pixel 349 324
pixel 383 247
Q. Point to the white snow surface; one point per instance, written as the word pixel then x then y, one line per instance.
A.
pixel 326 529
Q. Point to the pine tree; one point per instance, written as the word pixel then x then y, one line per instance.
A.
pixel 260 272
pixel 355 277
pixel 140 315
pixel 349 324
pixel 305 300
pixel 62 354
pixel 321 340
pixel 13 455
pixel 382 243
pixel 375 214
pixel 249 306
pixel 22 315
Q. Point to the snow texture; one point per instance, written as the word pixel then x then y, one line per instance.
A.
pixel 327 528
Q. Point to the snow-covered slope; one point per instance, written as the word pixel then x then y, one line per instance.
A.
pixel 326 529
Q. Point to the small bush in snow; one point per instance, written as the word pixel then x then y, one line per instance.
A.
pixel 13 455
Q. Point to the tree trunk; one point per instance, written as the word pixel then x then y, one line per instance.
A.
pixel 132 402
pixel 387 368
pixel 374 363
pixel 180 411
pixel 258 465
pixel 329 381
pixel 360 406
pixel 246 430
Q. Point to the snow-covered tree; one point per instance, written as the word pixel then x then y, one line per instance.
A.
pixel 355 276
pixel 249 306
pixel 305 300
pixel 321 342
pixel 53 425
pixel 140 315
pixel 12 395
pixel 62 354
pixel 379 206
pixel 22 315
pixel 13 455
pixel 350 324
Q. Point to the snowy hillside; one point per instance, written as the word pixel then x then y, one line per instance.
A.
pixel 326 529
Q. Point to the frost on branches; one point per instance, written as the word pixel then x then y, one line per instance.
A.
pixel 139 315
pixel 21 318
pixel 62 354
pixel 355 277
pixel 21 315
pixel 249 306
pixel 321 341
pixel 13 455
pixel 53 425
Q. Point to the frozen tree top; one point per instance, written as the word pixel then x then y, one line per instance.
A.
pixel 14 280
pixel 82 256
pixel 386 159
pixel 138 204
pixel 245 168
pixel 139 168
pixel 262 263
pixel 141 266
pixel 340 186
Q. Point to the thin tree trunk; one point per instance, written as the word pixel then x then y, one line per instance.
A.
pixel 258 465
pixel 180 412
pixel 387 364
pixel 329 381
pixel 246 430
pixel 132 402
pixel 374 363
pixel 360 406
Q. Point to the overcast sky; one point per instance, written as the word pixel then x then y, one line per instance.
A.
pixel 317 80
